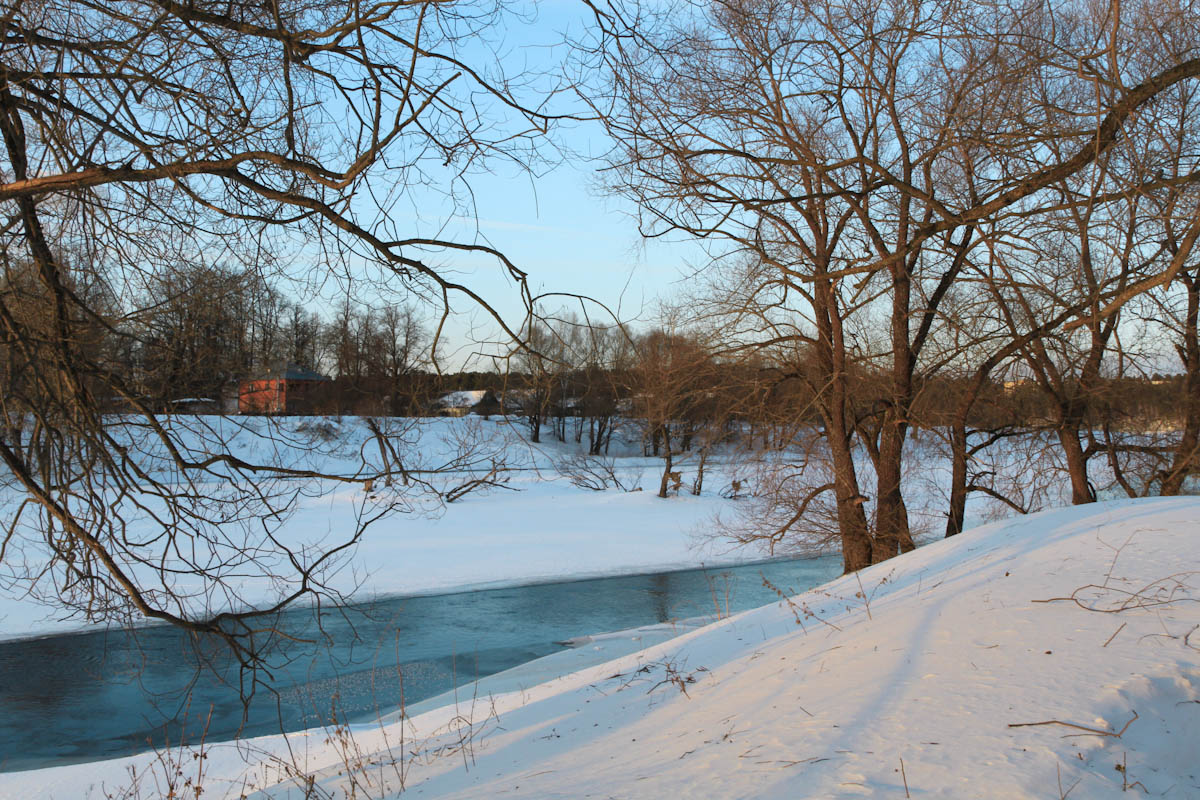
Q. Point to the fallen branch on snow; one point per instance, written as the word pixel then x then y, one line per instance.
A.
pixel 1094 731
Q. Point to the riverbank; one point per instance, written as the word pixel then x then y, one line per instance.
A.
pixel 533 522
pixel 534 526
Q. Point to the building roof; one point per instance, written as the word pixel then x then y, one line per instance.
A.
pixel 292 372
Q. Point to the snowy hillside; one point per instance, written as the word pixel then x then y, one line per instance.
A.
pixel 1047 656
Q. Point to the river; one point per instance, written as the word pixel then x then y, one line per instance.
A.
pixel 104 694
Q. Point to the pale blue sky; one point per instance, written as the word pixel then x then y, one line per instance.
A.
pixel 557 225
pixel 568 238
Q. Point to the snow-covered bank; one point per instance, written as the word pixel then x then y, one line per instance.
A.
pixel 926 679
pixel 544 530
pixel 537 527
pixel 534 525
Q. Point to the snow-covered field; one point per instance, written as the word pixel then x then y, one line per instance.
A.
pixel 537 527
pixel 1046 656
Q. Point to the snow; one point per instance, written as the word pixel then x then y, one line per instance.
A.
pixel 1027 658
pixel 464 398
pixel 546 530
pixel 537 527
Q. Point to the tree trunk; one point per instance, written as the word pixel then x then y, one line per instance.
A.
pixel 830 352
pixel 892 535
pixel 852 519
pixel 958 479
pixel 698 484
pixel 1081 488
pixel 668 462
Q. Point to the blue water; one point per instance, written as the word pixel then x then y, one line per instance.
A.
pixel 114 693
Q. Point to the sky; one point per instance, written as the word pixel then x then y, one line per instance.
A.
pixel 560 226
pixel 568 237
pixel 555 222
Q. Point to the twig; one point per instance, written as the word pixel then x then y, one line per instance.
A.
pixel 1095 731
pixel 863 594
pixel 796 609
pixel 1161 592
pixel 904 778
pixel 1188 636
pixel 1061 794
pixel 1118 630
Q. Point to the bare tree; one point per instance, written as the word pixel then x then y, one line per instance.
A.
pixel 138 133
pixel 847 157
pixel 1185 461
pixel 301 336
pixel 1173 213
pixel 607 355
pixel 197 328
pixel 677 394
pixel 539 366
pixel 376 351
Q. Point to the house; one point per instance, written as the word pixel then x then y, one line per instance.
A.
pixel 287 390
pixel 476 401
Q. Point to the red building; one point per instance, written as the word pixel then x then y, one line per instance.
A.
pixel 291 390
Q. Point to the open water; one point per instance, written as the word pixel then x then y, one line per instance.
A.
pixel 114 693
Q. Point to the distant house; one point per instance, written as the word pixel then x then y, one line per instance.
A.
pixel 288 390
pixel 475 401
